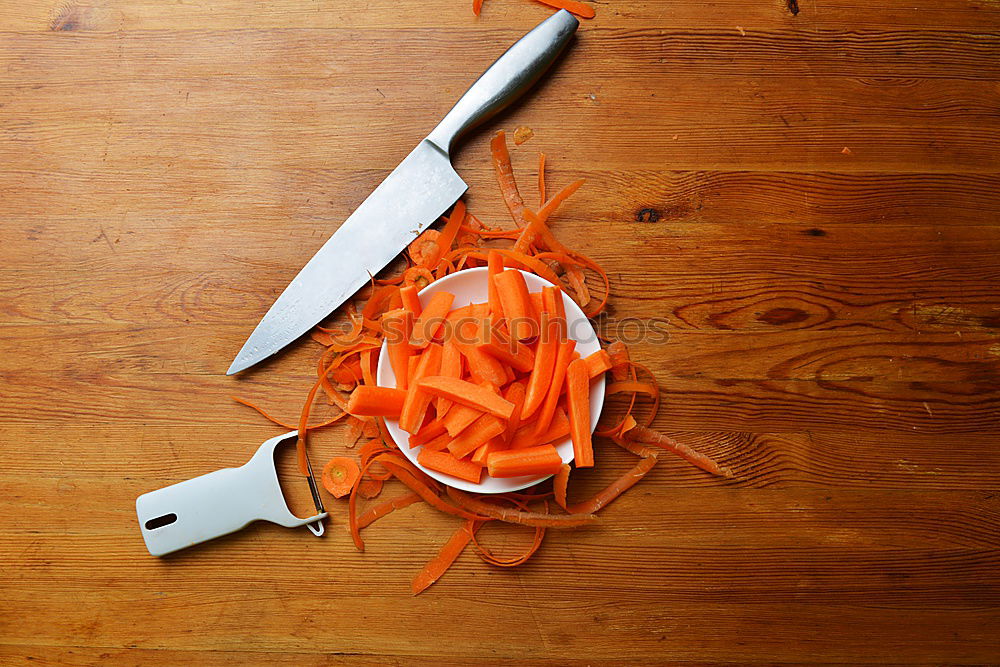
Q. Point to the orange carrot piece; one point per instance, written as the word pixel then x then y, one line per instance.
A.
pixel 431 319
pixel 559 484
pixel 375 513
pixel 448 234
pixel 427 432
pixel 509 515
pixel 482 367
pixel 438 565
pixel 373 401
pixel 424 246
pixel 466 393
pixel 541 179
pixel 510 351
pixel 411 302
pixel 515 394
pixel 451 366
pixel 563 358
pixel 283 424
pixel 412 477
pixel 648 436
pixel 597 363
pixel 541 373
pixel 477 6
pixel 618 354
pixel 448 464
pixel 478 433
pixel 615 489
pixel 415 406
pixel 505 177
pixel 536 302
pixel 398 326
pixel 578 395
pixel 494 263
pixel 541 460
pixel 339 475
pixel 516 304
pixel 582 10
pixel 555 305
pixel 438 443
pixel 480 456
pixel 557 432
pixel 459 418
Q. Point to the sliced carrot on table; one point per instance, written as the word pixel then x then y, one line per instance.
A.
pixel 563 358
pixel 615 489
pixel 431 319
pixel 376 512
pixel 438 565
pixel 339 475
pixel 374 401
pixel 516 303
pixel 467 393
pixel 578 395
pixel 505 177
pixel 648 436
pixel 445 462
pixel 509 515
pixel 478 433
pixel 541 460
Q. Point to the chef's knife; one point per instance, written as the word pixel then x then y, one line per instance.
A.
pixel 414 195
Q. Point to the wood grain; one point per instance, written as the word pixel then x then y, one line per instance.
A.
pixel 798 214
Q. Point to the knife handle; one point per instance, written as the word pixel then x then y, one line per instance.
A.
pixel 512 74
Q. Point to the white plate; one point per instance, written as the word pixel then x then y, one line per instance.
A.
pixel 470 286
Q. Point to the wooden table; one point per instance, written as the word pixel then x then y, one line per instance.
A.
pixel 805 193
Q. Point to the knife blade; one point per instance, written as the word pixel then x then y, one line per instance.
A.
pixel 422 187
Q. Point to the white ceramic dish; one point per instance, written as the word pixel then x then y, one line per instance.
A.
pixel 470 286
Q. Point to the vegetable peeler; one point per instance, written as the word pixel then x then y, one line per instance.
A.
pixel 222 502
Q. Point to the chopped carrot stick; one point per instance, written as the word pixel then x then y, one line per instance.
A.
pixel 398 326
pixel 478 433
pixel 339 475
pixel 563 358
pixel 438 443
pixel 615 489
pixel 468 394
pixel 648 436
pixel 516 304
pixel 451 366
pixel 431 319
pixel 541 179
pixel 541 460
pixel 446 463
pixel 417 401
pixel 375 513
pixel 494 262
pixel 509 515
pixel 578 395
pixel 480 456
pixel 541 373
pixel 527 437
pixel 553 304
pixel 438 565
pixel 512 352
pixel 370 401
pixel 597 363
pixel 459 418
pixel 482 366
pixel 515 394
pixel 427 432
pixel 411 302
pixel 505 177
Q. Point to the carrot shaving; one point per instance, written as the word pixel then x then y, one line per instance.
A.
pixel 375 513
pixel 522 517
pixel 505 177
pixel 438 565
pixel 541 179
pixel 572 6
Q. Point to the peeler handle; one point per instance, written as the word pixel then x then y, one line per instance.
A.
pixel 216 504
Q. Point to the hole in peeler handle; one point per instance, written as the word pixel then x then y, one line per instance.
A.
pixel 161 521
